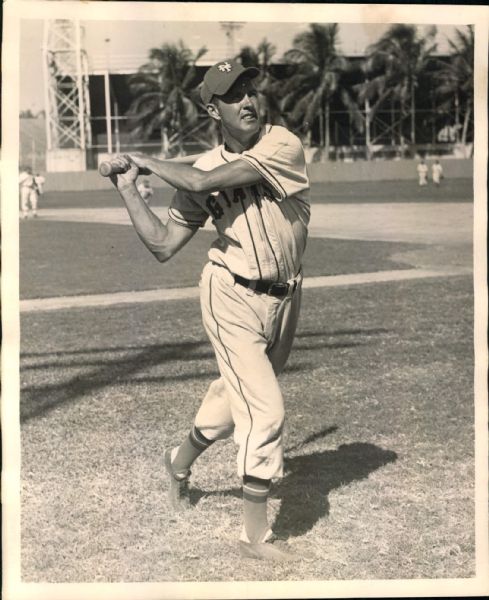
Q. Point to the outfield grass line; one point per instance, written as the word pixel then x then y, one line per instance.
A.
pixel 89 300
pixel 379 277
pixel 158 295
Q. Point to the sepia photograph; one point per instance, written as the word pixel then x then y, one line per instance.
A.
pixel 244 300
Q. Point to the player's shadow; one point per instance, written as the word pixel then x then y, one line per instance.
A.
pixel 336 339
pixel 310 478
pixel 124 365
pixel 337 332
pixel 99 372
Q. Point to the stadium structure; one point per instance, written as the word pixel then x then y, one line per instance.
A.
pixel 87 99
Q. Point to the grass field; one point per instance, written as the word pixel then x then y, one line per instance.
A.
pixel 452 190
pixel 110 258
pixel 379 479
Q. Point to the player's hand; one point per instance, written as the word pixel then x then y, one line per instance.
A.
pixel 140 160
pixel 130 171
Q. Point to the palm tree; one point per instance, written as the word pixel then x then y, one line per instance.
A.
pixel 267 84
pixel 165 95
pixel 317 80
pixel 392 69
pixel 455 79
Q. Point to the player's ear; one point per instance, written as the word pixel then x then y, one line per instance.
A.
pixel 213 111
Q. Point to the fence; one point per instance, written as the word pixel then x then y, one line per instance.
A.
pixel 318 172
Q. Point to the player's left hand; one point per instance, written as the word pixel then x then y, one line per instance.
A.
pixel 130 171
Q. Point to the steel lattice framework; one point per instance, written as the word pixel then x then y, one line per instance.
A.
pixel 66 86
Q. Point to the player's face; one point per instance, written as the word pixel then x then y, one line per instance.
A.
pixel 239 108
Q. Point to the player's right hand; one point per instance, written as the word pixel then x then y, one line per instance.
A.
pixel 138 158
pixel 129 168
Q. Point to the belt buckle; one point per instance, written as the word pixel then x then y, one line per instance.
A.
pixel 251 287
pixel 282 288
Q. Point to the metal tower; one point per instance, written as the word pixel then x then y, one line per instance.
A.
pixel 67 100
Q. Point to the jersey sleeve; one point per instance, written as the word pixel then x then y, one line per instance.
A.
pixel 186 210
pixel 280 160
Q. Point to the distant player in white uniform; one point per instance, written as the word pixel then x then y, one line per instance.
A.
pixel 39 180
pixel 254 187
pixel 437 172
pixel 145 190
pixel 422 170
pixel 28 193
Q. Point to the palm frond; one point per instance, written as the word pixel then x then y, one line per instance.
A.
pixel 164 90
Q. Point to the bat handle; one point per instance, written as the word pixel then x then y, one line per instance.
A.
pixel 107 168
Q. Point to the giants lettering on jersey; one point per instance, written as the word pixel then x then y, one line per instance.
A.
pixel 217 203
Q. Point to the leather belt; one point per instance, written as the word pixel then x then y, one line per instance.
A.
pixel 279 290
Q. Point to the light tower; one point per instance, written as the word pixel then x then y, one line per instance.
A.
pixel 67 101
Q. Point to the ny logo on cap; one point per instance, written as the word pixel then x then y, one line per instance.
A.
pixel 224 67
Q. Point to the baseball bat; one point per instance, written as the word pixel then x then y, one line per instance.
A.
pixel 107 168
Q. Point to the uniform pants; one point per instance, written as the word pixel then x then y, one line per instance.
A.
pixel 252 335
pixel 28 196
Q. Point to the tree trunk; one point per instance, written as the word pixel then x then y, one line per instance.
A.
pixel 180 136
pixel 326 129
pixel 433 117
pixel 402 141
pixel 164 141
pixel 413 115
pixel 163 132
pixel 336 140
pixel 393 123
pixel 457 118
pixel 321 130
pixel 465 129
pixel 367 129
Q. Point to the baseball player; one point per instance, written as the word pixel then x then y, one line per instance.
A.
pixel 145 190
pixel 39 181
pixel 254 187
pixel 28 193
pixel 422 170
pixel 437 172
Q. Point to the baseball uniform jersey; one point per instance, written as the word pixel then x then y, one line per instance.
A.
pixel 28 192
pixel 422 169
pixel 263 227
pixel 262 230
pixel 437 172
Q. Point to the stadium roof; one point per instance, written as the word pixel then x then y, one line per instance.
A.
pixel 113 45
pixel 123 46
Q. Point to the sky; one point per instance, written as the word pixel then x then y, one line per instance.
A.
pixel 121 44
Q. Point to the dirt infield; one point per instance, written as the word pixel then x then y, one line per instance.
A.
pixel 406 222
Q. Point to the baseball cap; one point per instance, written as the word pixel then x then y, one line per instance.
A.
pixel 221 76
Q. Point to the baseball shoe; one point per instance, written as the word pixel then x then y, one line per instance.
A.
pixel 271 549
pixel 178 491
